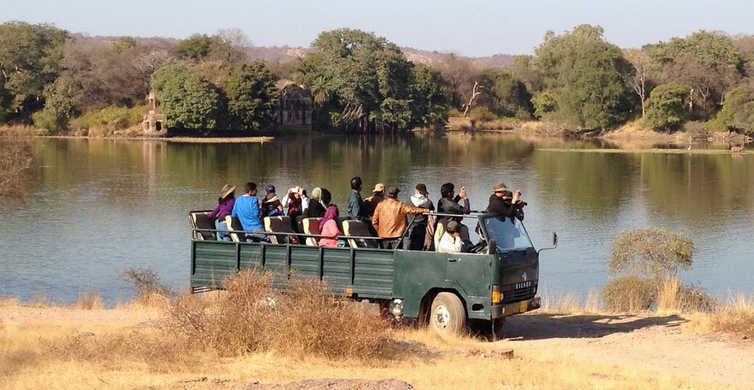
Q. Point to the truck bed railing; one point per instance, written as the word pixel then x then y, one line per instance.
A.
pixel 304 235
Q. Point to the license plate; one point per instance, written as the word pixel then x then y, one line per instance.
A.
pixel 523 285
pixel 523 306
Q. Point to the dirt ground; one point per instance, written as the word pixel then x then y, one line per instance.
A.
pixel 660 343
pixel 612 349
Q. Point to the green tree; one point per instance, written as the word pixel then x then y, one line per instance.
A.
pixel 195 47
pixel 61 99
pixel 738 109
pixel 709 63
pixel 545 104
pixel 188 101
pixel 508 96
pixel 29 60
pixel 430 99
pixel 666 107
pixel 359 81
pixel 251 97
pixel 587 77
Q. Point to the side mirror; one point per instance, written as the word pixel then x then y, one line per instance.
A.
pixel 554 243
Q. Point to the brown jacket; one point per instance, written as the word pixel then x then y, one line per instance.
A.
pixel 390 217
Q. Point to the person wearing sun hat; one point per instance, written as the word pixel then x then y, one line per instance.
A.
pixel 378 195
pixel 504 202
pixel 225 204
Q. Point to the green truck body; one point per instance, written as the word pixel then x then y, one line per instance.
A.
pixel 406 282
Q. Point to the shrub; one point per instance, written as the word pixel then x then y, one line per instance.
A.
pixel 252 317
pixel 482 114
pixel 109 119
pixel 629 294
pixel 738 109
pixel 667 107
pixel 147 284
pixel 736 317
pixel 652 252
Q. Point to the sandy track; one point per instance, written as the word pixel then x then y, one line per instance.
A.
pixel 654 343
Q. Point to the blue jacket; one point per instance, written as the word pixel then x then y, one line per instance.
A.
pixel 247 211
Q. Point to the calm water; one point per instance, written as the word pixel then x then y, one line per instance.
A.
pixel 98 206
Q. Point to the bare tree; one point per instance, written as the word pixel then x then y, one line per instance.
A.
pixel 640 79
pixel 475 92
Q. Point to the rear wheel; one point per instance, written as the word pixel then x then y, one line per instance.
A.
pixel 447 314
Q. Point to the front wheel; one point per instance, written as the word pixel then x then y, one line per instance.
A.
pixel 447 315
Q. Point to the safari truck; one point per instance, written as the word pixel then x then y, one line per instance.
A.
pixel 498 278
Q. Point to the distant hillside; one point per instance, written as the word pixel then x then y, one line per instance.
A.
pixel 284 54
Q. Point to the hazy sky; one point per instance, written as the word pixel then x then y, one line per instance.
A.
pixel 473 27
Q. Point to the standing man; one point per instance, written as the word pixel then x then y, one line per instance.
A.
pixel 418 229
pixel 355 206
pixel 453 205
pixel 246 209
pixel 390 218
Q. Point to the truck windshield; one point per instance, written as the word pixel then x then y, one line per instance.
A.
pixel 508 233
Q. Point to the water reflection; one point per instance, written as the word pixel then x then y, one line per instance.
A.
pixel 101 205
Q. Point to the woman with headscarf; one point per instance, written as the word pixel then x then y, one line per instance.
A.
pixel 328 228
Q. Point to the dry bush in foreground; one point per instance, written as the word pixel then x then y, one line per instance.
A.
pixel 15 160
pixel 673 295
pixel 252 317
pixel 735 317
pixel 629 294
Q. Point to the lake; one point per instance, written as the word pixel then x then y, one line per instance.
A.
pixel 97 206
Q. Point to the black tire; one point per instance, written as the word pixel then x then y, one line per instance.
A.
pixel 447 314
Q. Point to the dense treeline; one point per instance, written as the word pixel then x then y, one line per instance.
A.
pixel 362 82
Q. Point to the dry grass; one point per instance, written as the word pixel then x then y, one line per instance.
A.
pixel 675 297
pixel 253 317
pixel 19 131
pixel 15 160
pixel 51 357
pixel 89 301
pixel 736 317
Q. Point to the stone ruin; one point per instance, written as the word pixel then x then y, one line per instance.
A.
pixel 294 107
pixel 155 122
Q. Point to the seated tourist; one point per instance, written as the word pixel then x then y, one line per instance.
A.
pixel 224 207
pixel 316 207
pixel 293 202
pixel 329 228
pixel 246 209
pixel 389 218
pixel 451 241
